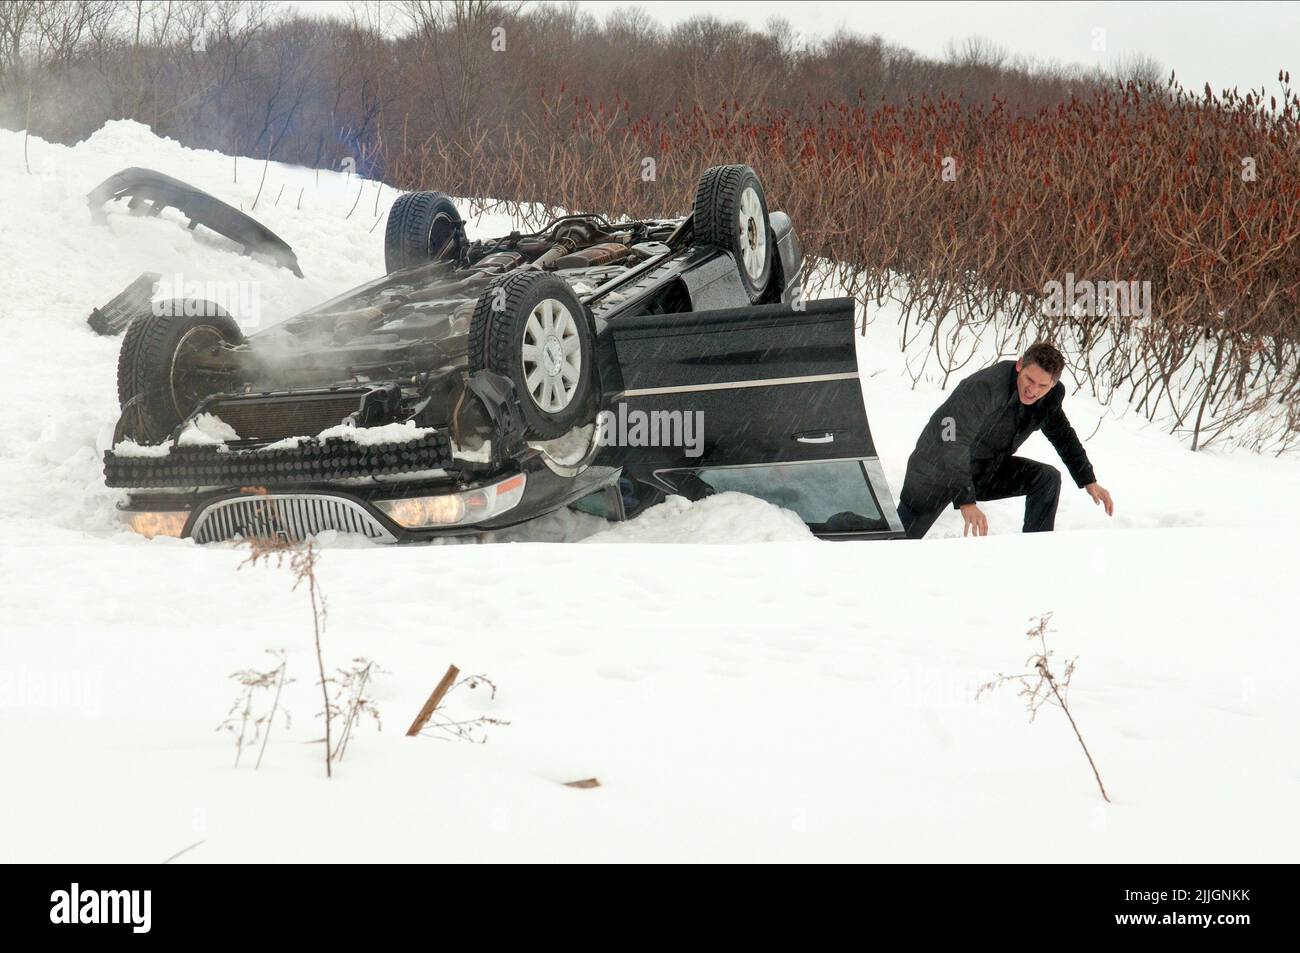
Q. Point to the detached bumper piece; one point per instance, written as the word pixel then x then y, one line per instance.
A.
pixel 113 317
pixel 310 462
pixel 149 192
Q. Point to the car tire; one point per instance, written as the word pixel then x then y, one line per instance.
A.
pixel 422 227
pixel 531 328
pixel 730 213
pixel 151 376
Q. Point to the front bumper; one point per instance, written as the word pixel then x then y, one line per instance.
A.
pixel 294 513
pixel 310 462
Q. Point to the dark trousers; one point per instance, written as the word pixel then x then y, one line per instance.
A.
pixel 921 502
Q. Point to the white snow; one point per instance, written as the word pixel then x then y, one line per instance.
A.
pixel 480 454
pixel 206 430
pixel 568 449
pixel 373 436
pixel 794 700
pixel 721 518
pixel 288 443
pixel 129 448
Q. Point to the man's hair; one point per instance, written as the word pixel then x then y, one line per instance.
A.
pixel 1046 357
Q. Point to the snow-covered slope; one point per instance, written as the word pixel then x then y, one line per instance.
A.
pixel 765 697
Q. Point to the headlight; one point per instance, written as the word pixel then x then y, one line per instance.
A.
pixel 149 524
pixel 451 509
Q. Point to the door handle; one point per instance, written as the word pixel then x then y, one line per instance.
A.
pixel 815 436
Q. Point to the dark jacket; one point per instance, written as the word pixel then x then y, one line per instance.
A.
pixel 981 424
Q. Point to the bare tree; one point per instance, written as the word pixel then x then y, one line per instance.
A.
pixel 454 40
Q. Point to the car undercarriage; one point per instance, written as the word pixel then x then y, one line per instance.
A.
pixel 469 388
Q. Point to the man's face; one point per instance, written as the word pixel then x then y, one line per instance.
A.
pixel 1032 382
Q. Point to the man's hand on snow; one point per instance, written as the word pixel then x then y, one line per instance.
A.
pixel 975 522
pixel 1101 495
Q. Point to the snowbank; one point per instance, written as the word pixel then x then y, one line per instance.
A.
pixel 722 518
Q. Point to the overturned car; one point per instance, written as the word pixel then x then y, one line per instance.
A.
pixel 483 383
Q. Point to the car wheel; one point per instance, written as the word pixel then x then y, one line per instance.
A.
pixel 731 213
pixel 422 227
pixel 164 368
pixel 531 328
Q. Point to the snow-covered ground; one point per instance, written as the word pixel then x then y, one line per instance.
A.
pixel 766 697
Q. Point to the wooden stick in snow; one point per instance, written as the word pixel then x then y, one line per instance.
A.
pixel 434 701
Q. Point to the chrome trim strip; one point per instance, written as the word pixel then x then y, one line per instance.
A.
pixel 762 463
pixel 728 385
pixel 880 489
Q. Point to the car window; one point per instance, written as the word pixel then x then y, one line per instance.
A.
pixel 831 496
pixel 604 503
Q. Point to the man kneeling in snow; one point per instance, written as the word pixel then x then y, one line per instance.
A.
pixel 965 452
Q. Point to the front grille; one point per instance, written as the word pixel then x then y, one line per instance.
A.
pixel 274 418
pixel 291 517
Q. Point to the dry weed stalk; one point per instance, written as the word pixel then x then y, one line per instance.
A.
pixel 302 565
pixel 351 700
pixel 240 717
pixel 1041 686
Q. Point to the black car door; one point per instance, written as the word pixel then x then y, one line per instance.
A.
pixel 764 400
